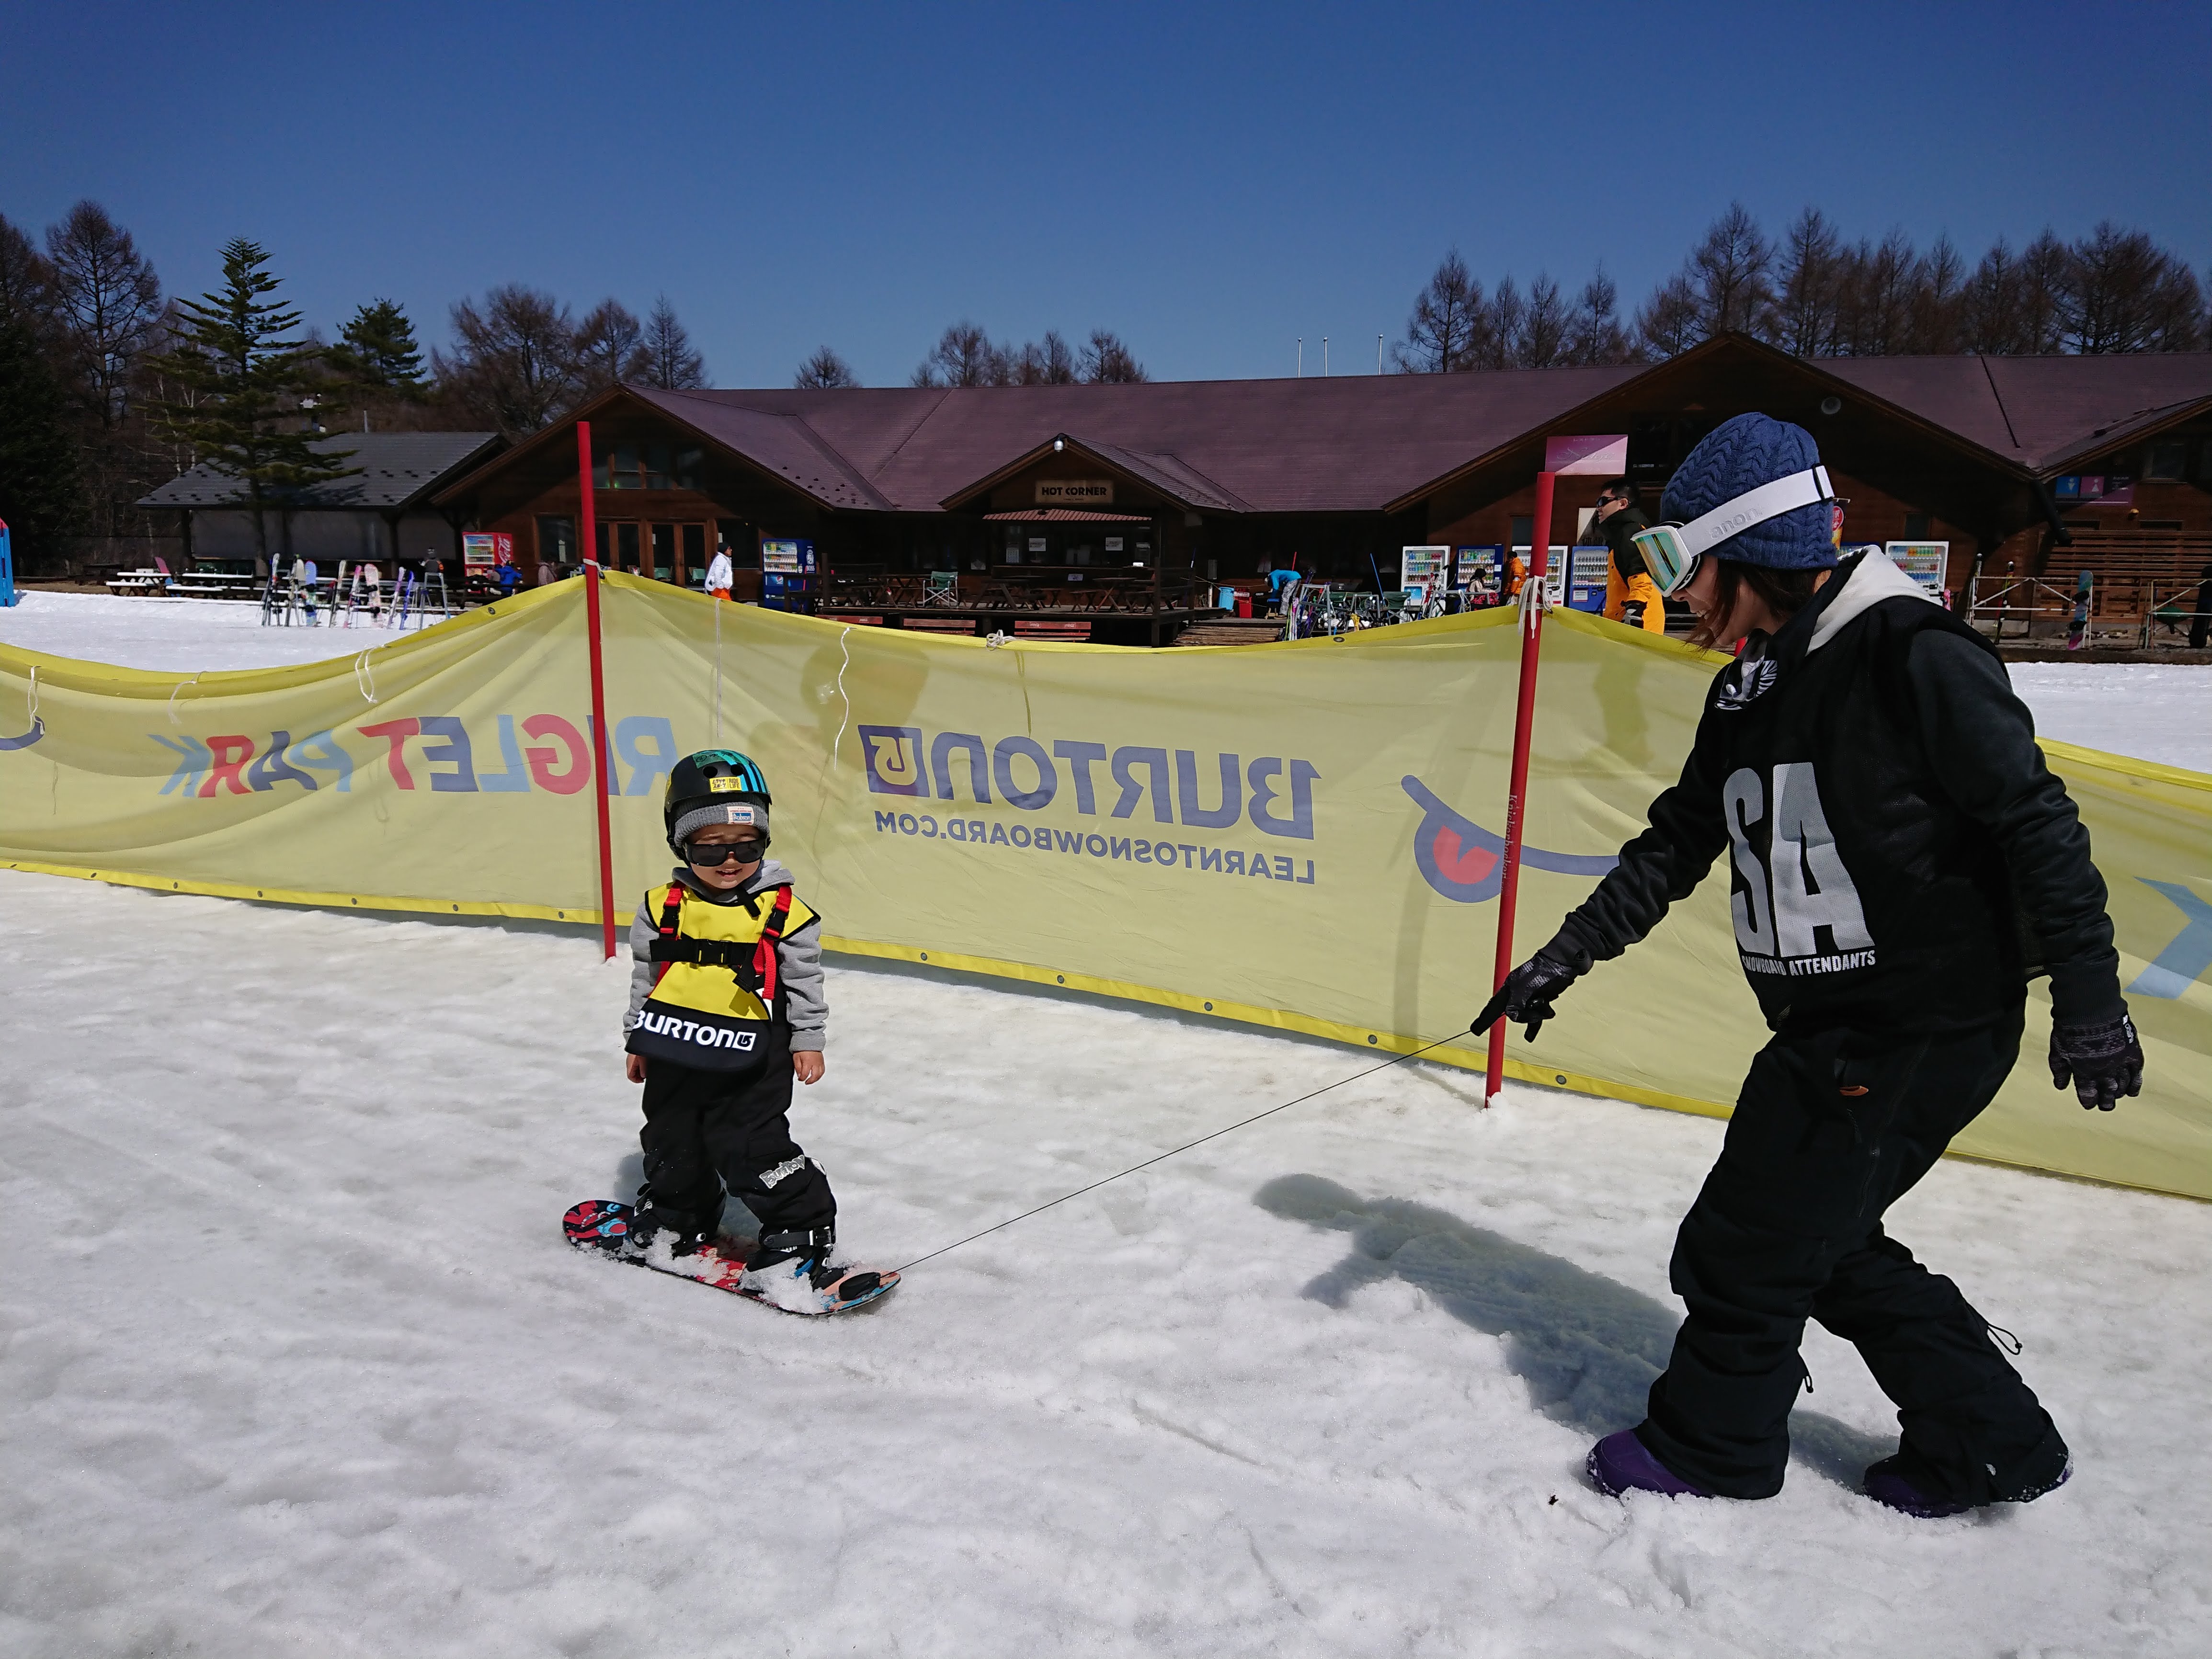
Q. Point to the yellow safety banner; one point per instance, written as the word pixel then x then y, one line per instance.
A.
pixel 1305 836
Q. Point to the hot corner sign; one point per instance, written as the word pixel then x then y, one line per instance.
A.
pixel 1075 492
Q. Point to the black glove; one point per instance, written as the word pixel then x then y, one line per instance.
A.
pixel 2102 1062
pixel 1528 993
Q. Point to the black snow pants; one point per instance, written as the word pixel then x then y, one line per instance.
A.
pixel 1831 1130
pixel 706 1131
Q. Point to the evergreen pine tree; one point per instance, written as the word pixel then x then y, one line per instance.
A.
pixel 377 354
pixel 241 377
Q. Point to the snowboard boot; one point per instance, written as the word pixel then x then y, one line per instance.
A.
pixel 791 1270
pixel 1622 1463
pixel 684 1231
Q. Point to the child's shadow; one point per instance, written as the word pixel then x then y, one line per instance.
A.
pixel 738 1221
pixel 1587 1345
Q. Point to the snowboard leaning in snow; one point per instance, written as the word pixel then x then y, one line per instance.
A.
pixel 602 1224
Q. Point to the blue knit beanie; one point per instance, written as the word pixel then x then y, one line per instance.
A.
pixel 1736 457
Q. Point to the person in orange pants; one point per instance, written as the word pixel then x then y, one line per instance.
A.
pixel 1631 595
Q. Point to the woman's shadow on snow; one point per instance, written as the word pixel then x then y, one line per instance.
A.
pixel 1587 1346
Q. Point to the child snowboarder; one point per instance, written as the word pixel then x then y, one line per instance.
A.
pixel 1901 861
pixel 725 1008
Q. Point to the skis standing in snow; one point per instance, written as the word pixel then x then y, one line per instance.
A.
pixel 1901 862
pixel 726 1009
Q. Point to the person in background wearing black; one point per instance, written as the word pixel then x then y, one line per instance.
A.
pixel 2202 622
pixel 1900 862
pixel 1631 596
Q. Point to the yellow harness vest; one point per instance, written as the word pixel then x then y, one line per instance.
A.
pixel 718 988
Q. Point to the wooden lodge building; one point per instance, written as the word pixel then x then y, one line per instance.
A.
pixel 1116 513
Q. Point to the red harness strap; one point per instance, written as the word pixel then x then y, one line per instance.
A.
pixel 671 907
pixel 764 953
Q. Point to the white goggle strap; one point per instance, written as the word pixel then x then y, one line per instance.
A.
pixel 1769 500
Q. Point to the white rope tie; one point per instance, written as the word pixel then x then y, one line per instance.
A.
pixel 173 690
pixel 848 715
pixel 34 694
pixel 364 677
pixel 718 673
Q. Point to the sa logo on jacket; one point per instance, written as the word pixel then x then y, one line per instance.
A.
pixel 1801 886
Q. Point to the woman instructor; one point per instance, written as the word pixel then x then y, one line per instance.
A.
pixel 1900 864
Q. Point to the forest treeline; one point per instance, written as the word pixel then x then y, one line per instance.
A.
pixel 109 386
pixel 1815 294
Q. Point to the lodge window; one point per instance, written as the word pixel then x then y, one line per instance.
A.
pixel 2165 460
pixel 556 541
pixel 647 466
pixel 2174 525
pixel 1916 526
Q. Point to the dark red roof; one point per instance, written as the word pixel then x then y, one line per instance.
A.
pixel 2035 411
pixel 1346 445
pixel 1364 443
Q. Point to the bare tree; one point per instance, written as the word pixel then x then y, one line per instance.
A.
pixel 669 360
pixel 1667 324
pixel 514 361
pixel 1107 361
pixel 1594 331
pixel 1048 361
pixel 2125 293
pixel 2045 269
pixel 609 348
pixel 963 355
pixel 1441 335
pixel 1541 339
pixel 1990 304
pixel 826 369
pixel 1874 316
pixel 26 282
pixel 109 302
pixel 1802 318
pixel 1937 319
pixel 1730 272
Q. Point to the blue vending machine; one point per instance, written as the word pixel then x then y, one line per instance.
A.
pixel 788 575
pixel 1586 577
pixel 7 568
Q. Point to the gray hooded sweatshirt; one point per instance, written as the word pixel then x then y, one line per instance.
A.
pixel 798 955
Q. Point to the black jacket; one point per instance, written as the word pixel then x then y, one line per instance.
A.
pixel 1901 860
pixel 1620 533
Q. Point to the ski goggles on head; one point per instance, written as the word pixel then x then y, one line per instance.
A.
pixel 1672 552
pixel 714 854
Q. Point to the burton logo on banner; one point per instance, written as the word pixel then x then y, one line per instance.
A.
pixel 1464 861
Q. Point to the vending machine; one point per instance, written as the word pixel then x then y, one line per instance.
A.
pixel 1586 574
pixel 1475 574
pixel 788 575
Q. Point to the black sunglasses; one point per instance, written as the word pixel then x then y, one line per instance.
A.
pixel 712 855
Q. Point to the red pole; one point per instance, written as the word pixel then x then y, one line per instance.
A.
pixel 588 525
pixel 1524 717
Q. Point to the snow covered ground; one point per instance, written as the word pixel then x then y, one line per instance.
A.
pixel 292 1361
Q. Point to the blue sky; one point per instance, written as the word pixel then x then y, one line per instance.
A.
pixel 1209 181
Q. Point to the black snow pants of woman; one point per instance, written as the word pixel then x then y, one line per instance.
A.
pixel 708 1130
pixel 1831 1130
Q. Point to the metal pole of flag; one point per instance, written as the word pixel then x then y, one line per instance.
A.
pixel 587 529
pixel 1524 717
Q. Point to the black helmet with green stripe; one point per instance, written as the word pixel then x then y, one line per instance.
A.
pixel 710 778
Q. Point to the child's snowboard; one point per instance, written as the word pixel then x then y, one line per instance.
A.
pixel 602 1224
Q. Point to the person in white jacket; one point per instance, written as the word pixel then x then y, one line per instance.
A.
pixel 720 575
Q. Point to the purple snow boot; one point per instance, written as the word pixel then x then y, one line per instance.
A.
pixel 1892 1483
pixel 1621 1462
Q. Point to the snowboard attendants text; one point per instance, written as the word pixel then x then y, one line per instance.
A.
pixel 540 753
pixel 981 833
